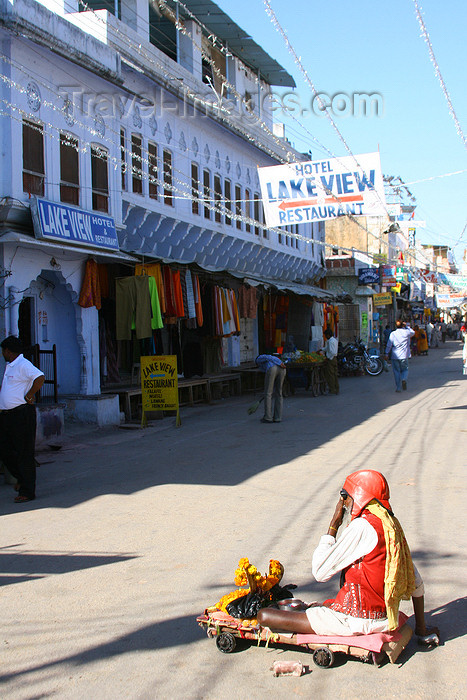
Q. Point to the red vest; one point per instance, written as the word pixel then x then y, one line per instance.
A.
pixel 362 594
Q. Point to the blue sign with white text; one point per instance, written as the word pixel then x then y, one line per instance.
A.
pixel 60 222
pixel 368 275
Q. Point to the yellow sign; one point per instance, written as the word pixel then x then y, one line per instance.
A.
pixel 159 384
pixel 427 312
pixel 380 257
pixel 396 288
pixel 382 299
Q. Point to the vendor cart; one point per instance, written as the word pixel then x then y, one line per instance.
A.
pixel 306 375
pixel 229 632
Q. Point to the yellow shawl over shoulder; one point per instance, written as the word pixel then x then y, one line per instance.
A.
pixel 399 577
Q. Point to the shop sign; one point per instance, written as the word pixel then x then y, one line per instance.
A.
pixel 417 310
pixel 427 312
pixel 388 275
pixel 396 288
pixel 450 301
pixel 159 384
pixel 400 274
pixel 380 258
pixel 364 320
pixel 60 222
pixel 382 299
pixel 321 190
pixel 368 275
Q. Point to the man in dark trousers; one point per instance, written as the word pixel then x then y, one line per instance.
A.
pixel 330 364
pixel 21 381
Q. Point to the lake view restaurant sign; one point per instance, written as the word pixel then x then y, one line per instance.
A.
pixel 321 190
pixel 64 224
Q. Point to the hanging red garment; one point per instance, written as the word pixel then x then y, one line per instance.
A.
pixel 171 309
pixel 177 284
pixel 90 294
pixel 197 295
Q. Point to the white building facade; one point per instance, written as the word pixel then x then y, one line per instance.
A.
pixel 140 117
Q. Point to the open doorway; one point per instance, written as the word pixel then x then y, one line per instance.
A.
pixel 26 321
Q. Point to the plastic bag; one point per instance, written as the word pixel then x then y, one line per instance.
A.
pixel 247 606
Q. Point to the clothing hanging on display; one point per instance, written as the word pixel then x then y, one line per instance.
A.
pixel 247 302
pixel 154 270
pixel 90 294
pixel 133 301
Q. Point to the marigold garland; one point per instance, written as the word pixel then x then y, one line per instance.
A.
pixel 247 573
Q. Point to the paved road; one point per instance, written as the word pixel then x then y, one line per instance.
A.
pixel 134 533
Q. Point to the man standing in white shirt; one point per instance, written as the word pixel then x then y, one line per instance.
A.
pixel 21 381
pixel 331 347
pixel 398 351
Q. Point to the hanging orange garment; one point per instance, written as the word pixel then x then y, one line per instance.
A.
pixel 154 270
pixel 225 308
pixel 90 294
pixel 235 310
pixel 178 294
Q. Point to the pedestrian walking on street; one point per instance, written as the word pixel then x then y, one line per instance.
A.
pixel 275 372
pixel 429 332
pixel 330 364
pixel 398 351
pixel 21 381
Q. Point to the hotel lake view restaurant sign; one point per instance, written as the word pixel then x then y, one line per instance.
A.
pixel 62 223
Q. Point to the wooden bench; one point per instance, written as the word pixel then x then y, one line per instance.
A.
pixel 125 394
pixel 225 384
pixel 198 390
pixel 252 379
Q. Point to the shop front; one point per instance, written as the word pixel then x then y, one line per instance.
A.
pixel 44 263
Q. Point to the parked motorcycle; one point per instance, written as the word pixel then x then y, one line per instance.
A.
pixel 354 357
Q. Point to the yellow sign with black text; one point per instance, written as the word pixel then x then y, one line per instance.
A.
pixel 159 384
pixel 382 299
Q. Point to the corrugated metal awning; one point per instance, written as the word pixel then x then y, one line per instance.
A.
pixel 105 255
pixel 294 287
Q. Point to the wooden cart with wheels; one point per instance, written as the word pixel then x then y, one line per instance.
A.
pixel 372 648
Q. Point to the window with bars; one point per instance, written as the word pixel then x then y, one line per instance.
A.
pixel 238 206
pixel 33 158
pixel 217 198
pixel 99 179
pixel 168 178
pixel 152 169
pixel 123 166
pixel 228 201
pixel 69 169
pixel 195 188
pixel 248 210
pixel 206 193
pixel 136 163
pixel 256 212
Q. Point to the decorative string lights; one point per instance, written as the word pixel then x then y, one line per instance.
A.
pixel 427 39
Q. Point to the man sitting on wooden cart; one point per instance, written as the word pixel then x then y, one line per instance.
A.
pixel 372 552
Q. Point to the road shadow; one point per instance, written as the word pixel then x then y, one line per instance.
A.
pixel 19 566
pixel 174 632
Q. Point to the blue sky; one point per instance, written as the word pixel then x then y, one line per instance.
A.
pixel 369 46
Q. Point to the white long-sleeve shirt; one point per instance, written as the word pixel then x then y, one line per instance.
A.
pixel 358 539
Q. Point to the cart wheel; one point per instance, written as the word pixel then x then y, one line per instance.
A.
pixel 324 388
pixel 226 642
pixel 323 657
